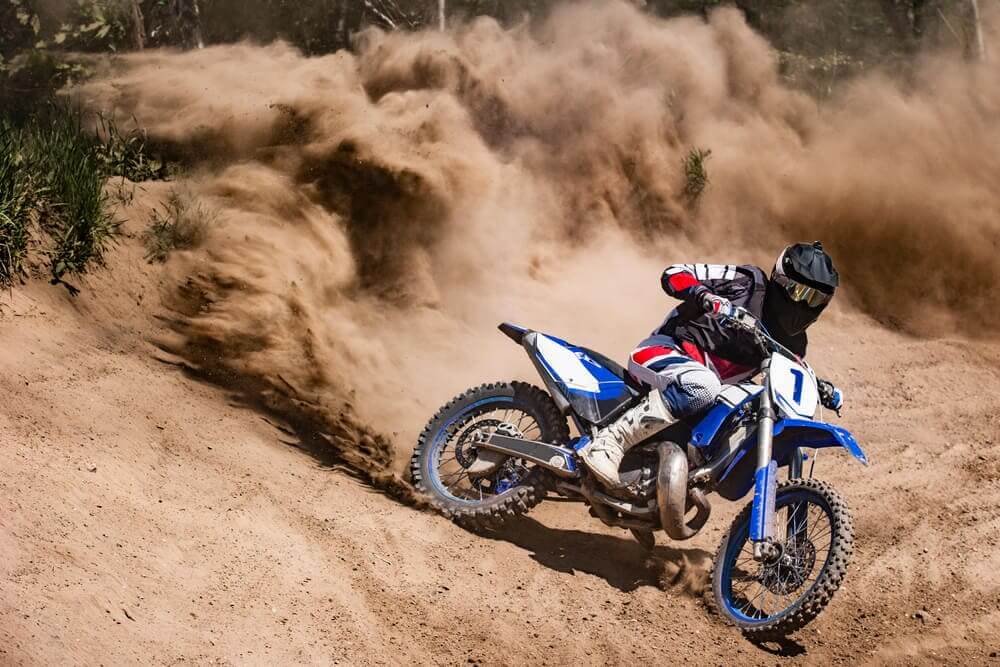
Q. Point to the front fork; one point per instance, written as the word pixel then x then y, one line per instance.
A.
pixel 765 478
pixel 766 482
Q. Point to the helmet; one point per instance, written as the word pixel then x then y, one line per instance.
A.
pixel 802 283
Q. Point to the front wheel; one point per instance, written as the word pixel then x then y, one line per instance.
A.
pixel 480 488
pixel 771 599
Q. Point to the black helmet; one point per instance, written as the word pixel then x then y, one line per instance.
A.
pixel 801 286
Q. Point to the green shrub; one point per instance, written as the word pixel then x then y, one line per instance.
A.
pixel 53 172
pixel 182 223
pixel 125 153
pixel 65 160
pixel 14 205
pixel 695 174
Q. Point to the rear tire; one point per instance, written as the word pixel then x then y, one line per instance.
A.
pixel 491 511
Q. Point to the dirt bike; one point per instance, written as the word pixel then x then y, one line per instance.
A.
pixel 496 451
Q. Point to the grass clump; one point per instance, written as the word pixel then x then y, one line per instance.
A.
pixel 65 161
pixel 695 174
pixel 53 203
pixel 181 224
pixel 126 153
pixel 15 207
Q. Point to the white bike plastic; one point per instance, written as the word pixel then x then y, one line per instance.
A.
pixel 794 391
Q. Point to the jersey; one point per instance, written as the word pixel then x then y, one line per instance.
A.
pixel 730 352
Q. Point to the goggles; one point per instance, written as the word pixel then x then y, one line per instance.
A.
pixel 802 293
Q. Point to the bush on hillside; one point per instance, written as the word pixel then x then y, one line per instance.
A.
pixel 52 198
pixel 14 205
pixel 180 225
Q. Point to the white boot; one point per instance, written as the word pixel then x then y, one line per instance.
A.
pixel 605 452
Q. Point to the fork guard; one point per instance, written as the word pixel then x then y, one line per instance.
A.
pixel 673 497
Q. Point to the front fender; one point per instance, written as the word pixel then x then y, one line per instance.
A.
pixel 808 433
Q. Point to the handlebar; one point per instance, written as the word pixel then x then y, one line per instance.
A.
pixel 741 318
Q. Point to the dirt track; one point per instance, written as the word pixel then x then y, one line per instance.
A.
pixel 144 517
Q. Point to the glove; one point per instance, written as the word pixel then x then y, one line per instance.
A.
pixel 831 397
pixel 714 305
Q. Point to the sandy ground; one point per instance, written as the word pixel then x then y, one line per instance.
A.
pixel 147 518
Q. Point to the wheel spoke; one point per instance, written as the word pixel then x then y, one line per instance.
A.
pixel 456 446
pixel 520 421
pixel 776 587
pixel 455 477
pixel 823 533
pixel 746 587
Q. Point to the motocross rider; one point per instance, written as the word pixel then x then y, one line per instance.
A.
pixel 692 353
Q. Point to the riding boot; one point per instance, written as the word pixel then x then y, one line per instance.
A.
pixel 605 452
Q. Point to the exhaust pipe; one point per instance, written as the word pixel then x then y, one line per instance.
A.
pixel 673 498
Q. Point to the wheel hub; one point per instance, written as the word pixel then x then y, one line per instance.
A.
pixel 465 447
pixel 789 571
pixel 482 463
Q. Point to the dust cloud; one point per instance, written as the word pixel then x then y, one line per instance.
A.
pixel 382 211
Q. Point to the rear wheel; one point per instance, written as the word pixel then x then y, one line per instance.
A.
pixel 771 599
pixel 479 488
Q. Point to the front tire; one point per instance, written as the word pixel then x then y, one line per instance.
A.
pixel 485 501
pixel 813 524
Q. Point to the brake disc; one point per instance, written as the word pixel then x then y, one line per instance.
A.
pixel 787 574
pixel 481 462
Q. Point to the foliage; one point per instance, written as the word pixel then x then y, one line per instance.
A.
pixel 319 26
pixel 94 25
pixel 695 174
pixel 822 41
pixel 15 190
pixel 53 172
pixel 126 153
pixel 29 80
pixel 19 27
pixel 182 223
pixel 64 158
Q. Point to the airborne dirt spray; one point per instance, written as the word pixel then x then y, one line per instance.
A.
pixel 382 211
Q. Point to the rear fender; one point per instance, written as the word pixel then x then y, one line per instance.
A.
pixel 579 383
pixel 513 331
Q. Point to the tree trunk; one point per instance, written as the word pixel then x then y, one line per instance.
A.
pixel 138 27
pixel 980 46
pixel 917 8
pixel 379 11
pixel 187 17
pixel 196 25
pixel 343 40
pixel 441 22
pixel 898 15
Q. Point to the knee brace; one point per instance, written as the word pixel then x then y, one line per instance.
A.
pixel 692 391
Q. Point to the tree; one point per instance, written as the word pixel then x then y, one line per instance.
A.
pixel 138 26
pixel 978 26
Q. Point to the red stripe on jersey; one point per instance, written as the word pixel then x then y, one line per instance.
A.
pixel 681 281
pixel 693 351
pixel 645 354
pixel 728 369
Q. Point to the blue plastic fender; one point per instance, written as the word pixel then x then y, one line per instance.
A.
pixel 822 435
